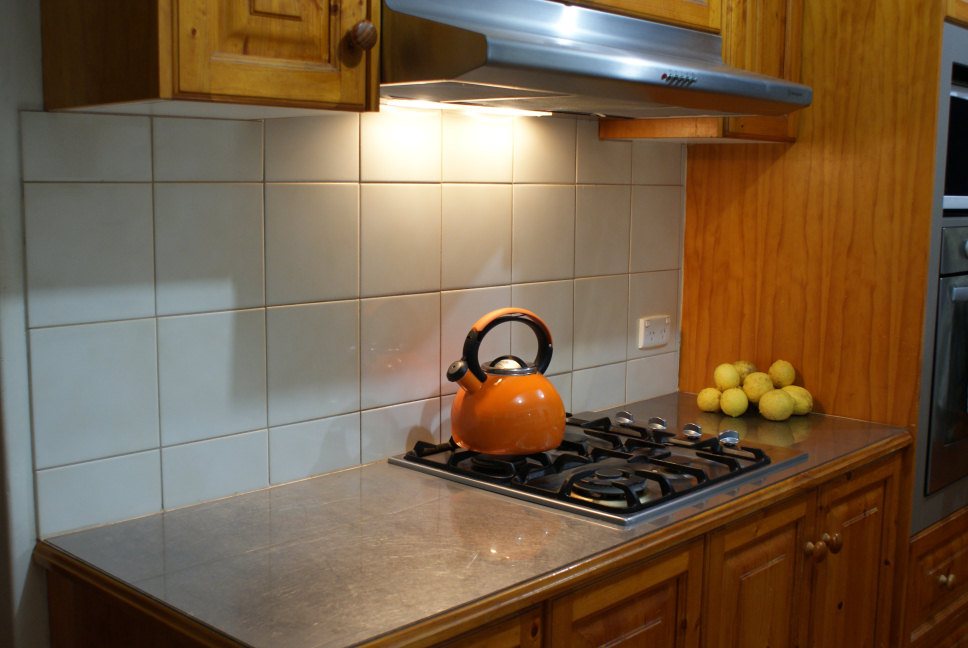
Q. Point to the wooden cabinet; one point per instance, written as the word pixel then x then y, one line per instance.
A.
pixel 762 36
pixel 815 571
pixel 937 588
pixel 295 53
pixel 957 11
pixel 652 604
pixel 850 559
pixel 754 583
pixel 697 14
pixel 520 631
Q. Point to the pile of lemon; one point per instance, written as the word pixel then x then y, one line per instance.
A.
pixel 739 383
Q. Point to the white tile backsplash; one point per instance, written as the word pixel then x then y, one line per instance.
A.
pixel 212 375
pixel 95 391
pixel 208 247
pixel 90 253
pixel 216 305
pixel 85 148
pixel 312 242
pixel 207 150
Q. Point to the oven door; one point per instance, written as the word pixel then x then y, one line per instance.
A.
pixel 948 433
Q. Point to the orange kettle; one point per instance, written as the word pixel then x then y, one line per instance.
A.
pixel 506 406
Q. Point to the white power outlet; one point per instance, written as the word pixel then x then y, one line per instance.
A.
pixel 654 331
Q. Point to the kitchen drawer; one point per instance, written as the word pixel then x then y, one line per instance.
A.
pixel 937 591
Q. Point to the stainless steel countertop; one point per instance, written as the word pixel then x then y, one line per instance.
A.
pixel 348 556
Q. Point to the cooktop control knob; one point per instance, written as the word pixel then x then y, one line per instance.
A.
pixel 729 438
pixel 692 430
pixel 624 418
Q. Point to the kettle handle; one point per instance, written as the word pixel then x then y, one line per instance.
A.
pixel 472 342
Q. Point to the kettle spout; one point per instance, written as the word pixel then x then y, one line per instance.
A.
pixel 458 373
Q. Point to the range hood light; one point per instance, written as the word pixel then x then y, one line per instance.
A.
pixel 466 108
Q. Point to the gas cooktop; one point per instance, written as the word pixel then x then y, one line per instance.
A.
pixel 610 470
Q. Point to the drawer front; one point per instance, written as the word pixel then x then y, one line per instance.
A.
pixel 942 576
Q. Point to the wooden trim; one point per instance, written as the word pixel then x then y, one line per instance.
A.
pixel 687 128
pixel 957 11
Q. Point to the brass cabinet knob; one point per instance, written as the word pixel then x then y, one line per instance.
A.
pixel 946 580
pixel 816 551
pixel 834 542
pixel 363 35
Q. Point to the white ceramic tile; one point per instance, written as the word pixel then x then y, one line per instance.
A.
pixel 394 430
pixel 658 163
pixel 212 373
pixel 543 233
pixel 601 317
pixel 602 161
pixel 207 150
pixel 208 247
pixel 313 447
pixel 653 293
pixel 476 147
pixel 313 361
pixel 400 145
pixel 598 388
pixel 544 149
pixel 399 239
pixel 322 149
pixel 553 302
pixel 602 230
pixel 94 391
pixel 651 377
pixel 90 253
pixel 446 404
pixel 312 242
pixel 459 310
pixel 562 383
pixel 475 235
pixel 400 342
pixel 657 217
pixel 195 472
pixel 66 146
pixel 98 492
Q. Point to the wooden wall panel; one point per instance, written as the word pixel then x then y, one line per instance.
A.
pixel 816 252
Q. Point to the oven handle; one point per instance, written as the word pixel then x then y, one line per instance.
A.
pixel 959 294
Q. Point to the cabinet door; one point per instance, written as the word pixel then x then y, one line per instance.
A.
pixel 938 582
pixel 288 51
pixel 753 571
pixel 520 631
pixel 698 14
pixel 851 559
pixel 652 604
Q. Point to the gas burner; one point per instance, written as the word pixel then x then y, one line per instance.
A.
pixel 609 486
pixel 618 471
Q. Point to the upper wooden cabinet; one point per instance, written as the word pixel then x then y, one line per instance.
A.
pixel 698 14
pixel 761 36
pixel 297 53
pixel 958 11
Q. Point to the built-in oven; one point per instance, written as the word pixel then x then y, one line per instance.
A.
pixel 948 429
pixel 941 468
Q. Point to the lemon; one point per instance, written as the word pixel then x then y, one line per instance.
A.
pixel 776 405
pixel 725 376
pixel 744 368
pixel 782 373
pixel 757 384
pixel 733 401
pixel 708 399
pixel 802 400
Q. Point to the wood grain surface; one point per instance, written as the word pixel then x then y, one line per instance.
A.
pixel 816 252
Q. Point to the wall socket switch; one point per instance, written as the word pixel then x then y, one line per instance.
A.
pixel 654 331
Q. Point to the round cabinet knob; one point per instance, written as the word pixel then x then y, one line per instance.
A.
pixel 816 551
pixel 363 35
pixel 834 542
pixel 946 580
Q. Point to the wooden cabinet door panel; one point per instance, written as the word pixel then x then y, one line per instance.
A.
pixel 655 604
pixel 851 584
pixel 699 14
pixel 753 587
pixel 269 49
pixel 521 631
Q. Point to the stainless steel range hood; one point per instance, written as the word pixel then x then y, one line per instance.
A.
pixel 549 56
